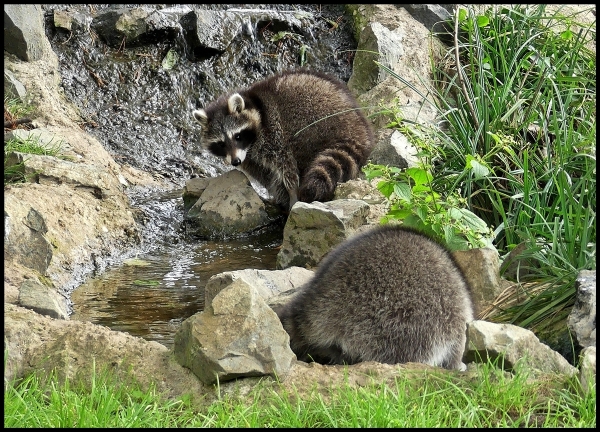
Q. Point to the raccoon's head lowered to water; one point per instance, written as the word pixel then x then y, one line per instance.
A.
pixel 229 129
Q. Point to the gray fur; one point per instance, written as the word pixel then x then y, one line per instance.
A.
pixel 301 133
pixel 390 295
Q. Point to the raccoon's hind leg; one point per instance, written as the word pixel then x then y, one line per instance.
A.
pixel 326 170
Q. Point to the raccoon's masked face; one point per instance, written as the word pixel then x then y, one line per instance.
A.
pixel 228 130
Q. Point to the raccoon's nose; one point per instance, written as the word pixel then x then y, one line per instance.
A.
pixel 236 161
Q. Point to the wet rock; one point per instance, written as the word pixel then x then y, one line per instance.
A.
pixel 24 31
pixel 209 31
pixel 481 268
pixel 314 229
pixel 228 207
pixel 582 319
pixel 193 190
pixel 134 26
pixel 394 149
pixel 513 348
pixel 43 299
pixel 72 21
pixel 432 16
pixel 237 335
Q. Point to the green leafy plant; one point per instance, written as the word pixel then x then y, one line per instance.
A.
pixel 414 202
pixel 517 96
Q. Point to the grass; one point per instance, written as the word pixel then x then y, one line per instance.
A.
pixel 428 399
pixel 517 93
pixel 14 109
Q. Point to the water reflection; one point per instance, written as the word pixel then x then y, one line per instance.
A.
pixel 151 295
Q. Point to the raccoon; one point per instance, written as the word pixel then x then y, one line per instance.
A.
pixel 390 295
pixel 298 133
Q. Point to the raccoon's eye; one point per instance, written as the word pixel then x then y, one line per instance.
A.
pixel 237 137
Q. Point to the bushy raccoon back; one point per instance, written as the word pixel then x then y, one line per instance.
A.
pixel 391 295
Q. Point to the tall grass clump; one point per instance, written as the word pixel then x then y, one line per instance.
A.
pixel 517 93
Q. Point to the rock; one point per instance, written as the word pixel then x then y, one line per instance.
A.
pixel 582 319
pixel 13 88
pixel 52 170
pixel 394 149
pixel 482 270
pixel 432 16
pixel 513 348
pixel 376 44
pixel 587 369
pixel 414 38
pixel 75 22
pixel 24 31
pixel 274 286
pixel 314 229
pixel 210 30
pixel 25 230
pixel 237 335
pixel 228 207
pixel 42 299
pixel 134 26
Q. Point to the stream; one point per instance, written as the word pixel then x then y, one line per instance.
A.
pixel 139 107
pixel 151 293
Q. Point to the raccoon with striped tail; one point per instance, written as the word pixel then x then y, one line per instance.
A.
pixel 298 133
pixel 390 295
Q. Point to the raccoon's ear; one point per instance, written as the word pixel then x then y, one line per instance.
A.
pixel 201 116
pixel 235 103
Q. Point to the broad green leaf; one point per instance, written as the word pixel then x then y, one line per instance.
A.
pixel 399 213
pixel 386 187
pixel 372 173
pixel 419 175
pixel 462 14
pixel 482 21
pixel 472 221
pixel 567 35
pixel 403 192
pixel 479 170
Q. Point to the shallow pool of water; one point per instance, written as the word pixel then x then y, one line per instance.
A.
pixel 149 296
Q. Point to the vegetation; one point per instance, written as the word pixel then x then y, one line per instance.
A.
pixel 14 170
pixel 517 145
pixel 517 152
pixel 428 399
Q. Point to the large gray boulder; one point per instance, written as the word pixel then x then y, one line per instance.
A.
pixel 275 286
pixel 227 206
pixel 582 319
pixel 312 230
pixel 513 348
pixel 237 335
pixel 481 267
pixel 24 31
